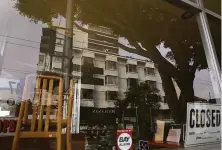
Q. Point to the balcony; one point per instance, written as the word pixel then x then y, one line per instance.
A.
pixel 76 73
pixel 111 72
pixel 103 48
pixel 110 87
pixel 132 75
pixel 87 103
pixel 103 43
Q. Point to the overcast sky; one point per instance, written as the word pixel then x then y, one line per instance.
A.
pixel 21 56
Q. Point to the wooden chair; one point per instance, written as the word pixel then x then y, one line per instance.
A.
pixel 40 123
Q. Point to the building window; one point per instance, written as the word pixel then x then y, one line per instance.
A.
pixel 57 59
pixel 112 80
pixel 87 61
pixel 57 70
pixel 111 95
pixel 76 67
pixel 131 68
pixel 58 54
pixel 151 83
pixel 87 93
pixel 59 41
pixel 41 59
pixel 131 82
pixel 87 80
pixel 149 71
pixel 98 81
pixel 111 65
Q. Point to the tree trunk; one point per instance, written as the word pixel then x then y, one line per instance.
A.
pixel 186 96
pixel 170 94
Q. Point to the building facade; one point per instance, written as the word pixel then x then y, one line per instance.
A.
pixel 104 74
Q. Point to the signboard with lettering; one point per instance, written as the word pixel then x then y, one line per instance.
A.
pixel 103 111
pixel 124 140
pixel 203 124
pixel 7 126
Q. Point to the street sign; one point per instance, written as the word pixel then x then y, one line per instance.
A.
pixel 143 145
pixel 124 140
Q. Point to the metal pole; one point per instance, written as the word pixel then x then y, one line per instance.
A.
pixel 67 51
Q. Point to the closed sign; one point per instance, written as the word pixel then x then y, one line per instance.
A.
pixel 124 140
pixel 203 124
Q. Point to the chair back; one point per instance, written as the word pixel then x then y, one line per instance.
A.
pixel 43 103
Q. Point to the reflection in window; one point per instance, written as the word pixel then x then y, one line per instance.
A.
pixel 213 5
pixel 76 67
pixel 111 95
pixel 131 82
pixel 215 28
pixel 87 93
pixel 149 71
pixel 41 59
pixel 87 61
pixel 131 68
pixel 151 83
pixel 112 80
pixel 111 65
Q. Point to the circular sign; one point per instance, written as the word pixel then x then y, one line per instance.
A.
pixel 124 141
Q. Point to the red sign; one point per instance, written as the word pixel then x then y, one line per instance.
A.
pixel 7 126
pixel 124 140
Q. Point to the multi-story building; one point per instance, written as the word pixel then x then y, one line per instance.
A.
pixel 104 74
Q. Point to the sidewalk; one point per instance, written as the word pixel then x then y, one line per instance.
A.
pixel 205 147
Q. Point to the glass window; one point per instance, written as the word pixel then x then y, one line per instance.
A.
pixel 57 59
pixel 87 94
pixel 131 82
pixel 87 61
pixel 215 28
pixel 149 71
pixel 151 83
pixel 76 67
pixel 41 59
pixel 154 43
pixel 131 68
pixel 111 95
pixel 112 80
pixel 111 65
pixel 213 5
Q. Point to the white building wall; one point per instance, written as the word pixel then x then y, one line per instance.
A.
pixel 80 45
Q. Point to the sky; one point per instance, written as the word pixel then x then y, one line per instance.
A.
pixel 21 56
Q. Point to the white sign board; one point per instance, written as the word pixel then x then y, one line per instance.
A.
pixel 174 135
pixel 203 124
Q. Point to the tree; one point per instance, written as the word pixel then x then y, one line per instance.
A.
pixel 144 98
pixel 145 24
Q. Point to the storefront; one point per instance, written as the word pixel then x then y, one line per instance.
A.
pixel 172 46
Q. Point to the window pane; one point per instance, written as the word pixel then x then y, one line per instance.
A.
pixel 215 28
pixel 213 5
pixel 136 64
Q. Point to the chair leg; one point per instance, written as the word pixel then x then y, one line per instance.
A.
pixel 18 127
pixel 68 140
pixel 59 141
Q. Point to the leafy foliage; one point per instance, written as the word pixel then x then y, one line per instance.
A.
pixel 142 96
